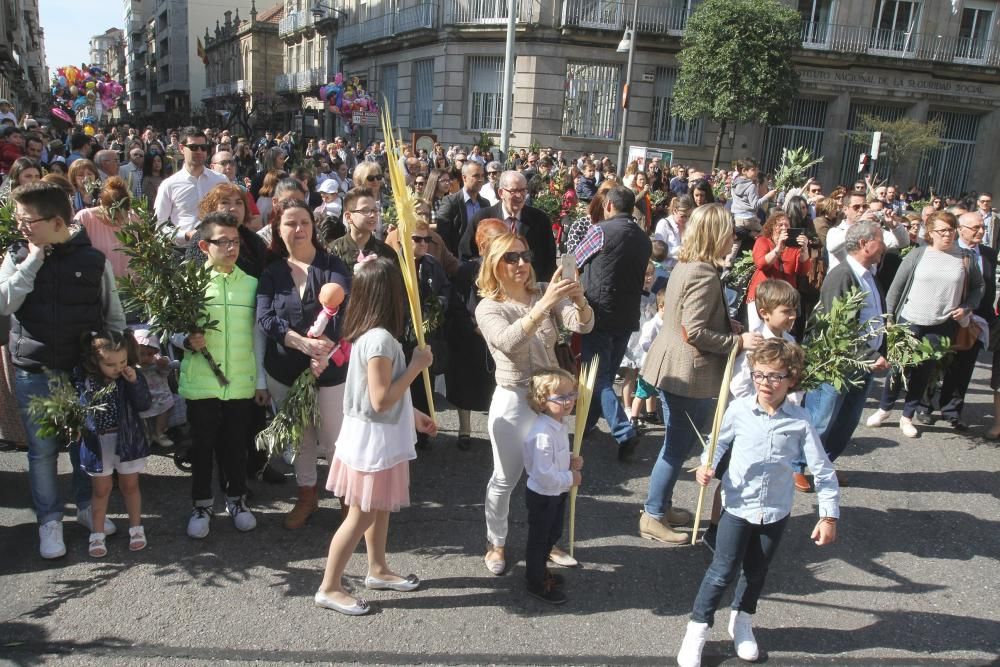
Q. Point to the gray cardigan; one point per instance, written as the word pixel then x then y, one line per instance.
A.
pixel 903 281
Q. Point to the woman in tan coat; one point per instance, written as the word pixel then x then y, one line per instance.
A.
pixel 688 358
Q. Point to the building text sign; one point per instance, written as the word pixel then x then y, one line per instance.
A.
pixel 896 81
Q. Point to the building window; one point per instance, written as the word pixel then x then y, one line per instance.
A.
pixel 667 127
pixel 590 106
pixel 946 169
pixel 422 95
pixel 975 32
pixel 485 93
pixel 853 150
pixel 390 80
pixel 805 127
pixel 895 25
pixel 816 17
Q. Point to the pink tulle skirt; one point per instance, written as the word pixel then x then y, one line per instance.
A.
pixel 385 490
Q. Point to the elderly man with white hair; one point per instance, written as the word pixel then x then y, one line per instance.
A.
pixel 107 164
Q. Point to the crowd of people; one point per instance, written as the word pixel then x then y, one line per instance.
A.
pixel 630 273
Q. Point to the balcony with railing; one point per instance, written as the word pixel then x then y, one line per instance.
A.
pixel 613 15
pixel 300 20
pixel 484 12
pixel 867 40
pixel 283 83
pixel 411 19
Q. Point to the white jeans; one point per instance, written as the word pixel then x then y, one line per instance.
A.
pixel 330 407
pixel 510 420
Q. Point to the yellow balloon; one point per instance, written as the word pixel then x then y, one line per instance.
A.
pixel 89 131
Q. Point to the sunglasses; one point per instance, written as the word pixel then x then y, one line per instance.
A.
pixel 513 257
pixel 226 163
pixel 564 399
pixel 372 179
pixel 196 147
pixel 422 239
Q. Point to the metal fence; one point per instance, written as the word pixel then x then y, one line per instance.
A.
pixel 946 169
pixel 667 16
pixel 484 12
pixel 590 106
pixel 668 128
pixel 900 43
pixel 805 127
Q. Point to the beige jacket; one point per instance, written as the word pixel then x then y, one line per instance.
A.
pixel 688 357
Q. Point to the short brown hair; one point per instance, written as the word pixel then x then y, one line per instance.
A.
pixel 780 352
pixel 945 217
pixel 772 220
pixel 543 383
pixel 47 199
pixel 353 195
pixel 828 208
pixel 211 201
pixel 775 292
pixel 79 165
pixel 115 191
pixel 487 230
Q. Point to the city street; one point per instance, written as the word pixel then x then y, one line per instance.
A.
pixel 912 579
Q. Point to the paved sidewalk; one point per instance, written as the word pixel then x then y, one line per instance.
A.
pixel 912 580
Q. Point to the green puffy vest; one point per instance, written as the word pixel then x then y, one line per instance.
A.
pixel 232 301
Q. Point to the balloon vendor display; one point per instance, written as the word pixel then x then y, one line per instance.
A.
pixel 346 98
pixel 81 95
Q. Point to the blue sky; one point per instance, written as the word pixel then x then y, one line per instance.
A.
pixel 69 25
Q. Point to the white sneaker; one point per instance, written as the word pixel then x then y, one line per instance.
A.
pixel 50 535
pixel 163 440
pixel 907 427
pixel 243 518
pixel 84 518
pixel 691 647
pixel 200 522
pixel 877 418
pixel 742 634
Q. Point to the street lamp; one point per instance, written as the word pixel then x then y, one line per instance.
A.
pixel 627 45
pixel 319 12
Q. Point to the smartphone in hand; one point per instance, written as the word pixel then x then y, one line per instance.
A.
pixel 568 264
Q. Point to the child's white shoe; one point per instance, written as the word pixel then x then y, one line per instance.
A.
pixel 907 427
pixel 742 634
pixel 691 647
pixel 877 418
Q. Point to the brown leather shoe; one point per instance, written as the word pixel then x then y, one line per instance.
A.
pixel 305 505
pixel 802 482
pixel 653 529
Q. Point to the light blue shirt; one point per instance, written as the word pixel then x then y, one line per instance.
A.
pixel 758 486
pixel 871 314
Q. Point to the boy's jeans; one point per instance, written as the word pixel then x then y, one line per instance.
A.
pixel 43 455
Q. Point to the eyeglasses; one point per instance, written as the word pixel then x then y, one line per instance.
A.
pixel 376 177
pixel 564 399
pixel 513 257
pixel 226 163
pixel 520 192
pixel 770 378
pixel 196 147
pixel 947 231
pixel 367 212
pixel 225 244
pixel 976 229
pixel 856 207
pixel 986 201
pixel 493 173
pixel 422 239
pixel 138 155
pixel 419 183
pixel 28 223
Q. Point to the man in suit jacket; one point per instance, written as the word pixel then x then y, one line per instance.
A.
pixel 531 223
pixel 835 415
pixel 955 383
pixel 456 210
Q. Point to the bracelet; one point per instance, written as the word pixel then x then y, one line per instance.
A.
pixel 828 519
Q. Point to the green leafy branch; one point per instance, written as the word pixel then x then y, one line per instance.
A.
pixel 9 233
pixel 169 293
pixel 296 412
pixel 793 170
pixel 62 413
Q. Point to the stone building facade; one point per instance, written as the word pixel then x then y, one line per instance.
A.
pixel 24 75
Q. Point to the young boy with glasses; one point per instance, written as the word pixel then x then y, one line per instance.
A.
pixel 766 435
pixel 552 471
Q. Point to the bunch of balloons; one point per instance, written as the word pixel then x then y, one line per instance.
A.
pixel 83 94
pixel 347 98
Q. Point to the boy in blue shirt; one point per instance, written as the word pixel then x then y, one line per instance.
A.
pixel 767 435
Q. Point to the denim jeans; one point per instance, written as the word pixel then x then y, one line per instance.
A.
pixel 739 545
pixel 836 415
pixel 43 455
pixel 678 437
pixel 917 377
pixel 609 348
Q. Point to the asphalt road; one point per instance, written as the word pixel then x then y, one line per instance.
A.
pixel 912 580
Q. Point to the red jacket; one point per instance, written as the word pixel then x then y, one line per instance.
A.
pixel 8 154
pixel 788 268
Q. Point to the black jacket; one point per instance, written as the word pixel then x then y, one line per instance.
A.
pixel 988 264
pixel 612 278
pixel 534 226
pixel 452 218
pixel 838 282
pixel 65 302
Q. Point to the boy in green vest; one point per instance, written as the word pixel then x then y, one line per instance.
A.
pixel 220 415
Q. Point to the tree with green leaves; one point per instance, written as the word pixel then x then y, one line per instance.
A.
pixel 903 139
pixel 736 64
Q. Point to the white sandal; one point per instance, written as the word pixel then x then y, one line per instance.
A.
pixel 136 538
pixel 97 547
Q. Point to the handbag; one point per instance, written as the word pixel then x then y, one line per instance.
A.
pixel 967 336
